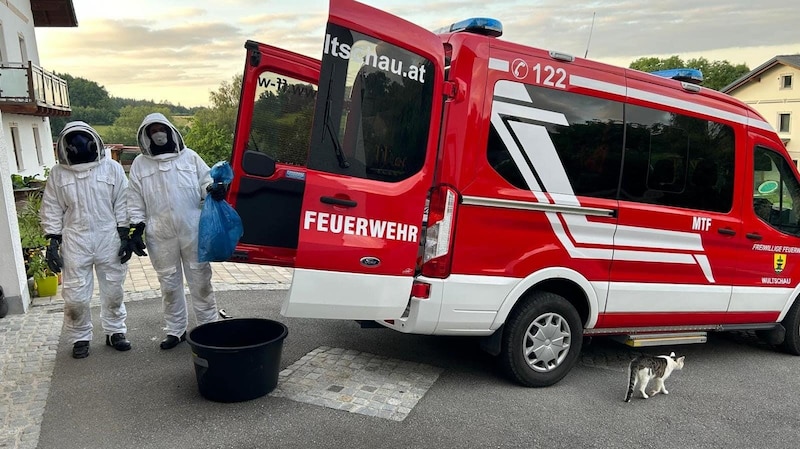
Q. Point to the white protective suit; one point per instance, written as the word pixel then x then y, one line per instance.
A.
pixel 85 203
pixel 167 193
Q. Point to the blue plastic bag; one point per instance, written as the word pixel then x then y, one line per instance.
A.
pixel 220 225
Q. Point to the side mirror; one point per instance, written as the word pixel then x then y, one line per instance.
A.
pixel 258 164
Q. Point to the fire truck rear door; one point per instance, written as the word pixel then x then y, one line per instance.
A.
pixel 270 150
pixel 370 167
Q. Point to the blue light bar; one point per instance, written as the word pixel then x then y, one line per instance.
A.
pixel 693 76
pixel 477 25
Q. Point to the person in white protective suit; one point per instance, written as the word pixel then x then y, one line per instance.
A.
pixel 168 184
pixel 84 214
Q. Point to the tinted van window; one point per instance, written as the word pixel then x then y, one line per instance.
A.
pixel 589 146
pixel 677 160
pixel 776 192
pixel 373 116
pixel 282 115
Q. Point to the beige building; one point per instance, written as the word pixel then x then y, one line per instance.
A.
pixel 773 89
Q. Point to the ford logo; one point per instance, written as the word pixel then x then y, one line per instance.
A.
pixel 370 261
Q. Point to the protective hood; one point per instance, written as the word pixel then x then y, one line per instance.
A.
pixel 79 147
pixel 149 148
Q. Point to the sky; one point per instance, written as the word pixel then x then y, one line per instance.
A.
pixel 179 51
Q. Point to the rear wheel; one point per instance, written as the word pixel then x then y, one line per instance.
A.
pixel 542 340
pixel 791 342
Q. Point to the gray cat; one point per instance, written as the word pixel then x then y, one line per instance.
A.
pixel 646 367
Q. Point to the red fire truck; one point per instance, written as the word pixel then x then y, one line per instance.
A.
pixel 453 183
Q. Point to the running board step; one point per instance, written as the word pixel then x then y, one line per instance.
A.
pixel 680 338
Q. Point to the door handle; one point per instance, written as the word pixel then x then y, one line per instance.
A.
pixel 726 231
pixel 754 236
pixel 338 201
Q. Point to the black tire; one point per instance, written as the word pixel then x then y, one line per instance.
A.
pixel 791 322
pixel 542 315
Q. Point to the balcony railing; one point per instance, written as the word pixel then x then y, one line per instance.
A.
pixel 29 89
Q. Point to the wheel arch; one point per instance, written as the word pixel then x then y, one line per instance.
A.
pixel 793 298
pixel 569 284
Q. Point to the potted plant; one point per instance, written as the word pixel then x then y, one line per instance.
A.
pixel 24 185
pixel 30 228
pixel 46 281
pixel 33 243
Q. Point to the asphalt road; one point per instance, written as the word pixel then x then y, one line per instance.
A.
pixel 733 392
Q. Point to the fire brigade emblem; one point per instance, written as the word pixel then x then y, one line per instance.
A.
pixel 779 262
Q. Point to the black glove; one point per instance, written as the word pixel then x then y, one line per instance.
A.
pixel 125 250
pixel 53 258
pixel 217 190
pixel 137 244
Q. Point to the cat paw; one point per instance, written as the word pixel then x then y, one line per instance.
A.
pixel 666 392
pixel 645 396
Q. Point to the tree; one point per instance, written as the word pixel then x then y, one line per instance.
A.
pixel 211 130
pixel 89 102
pixel 127 124
pixel 716 74
pixel 83 92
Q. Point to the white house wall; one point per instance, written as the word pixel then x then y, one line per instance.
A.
pixel 12 266
pixel 16 19
pixel 27 126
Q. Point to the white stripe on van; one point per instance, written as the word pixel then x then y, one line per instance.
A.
pixel 498 64
pixel 603 86
pixel 600 86
pixel 636 297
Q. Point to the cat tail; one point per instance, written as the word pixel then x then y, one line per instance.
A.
pixel 631 382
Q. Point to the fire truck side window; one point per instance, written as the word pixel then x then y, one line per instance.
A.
pixel 669 159
pixel 589 146
pixel 282 115
pixel 677 160
pixel 776 192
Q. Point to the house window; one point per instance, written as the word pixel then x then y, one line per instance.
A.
pixel 786 81
pixel 783 122
pixel 23 49
pixel 2 44
pixel 17 148
pixel 38 143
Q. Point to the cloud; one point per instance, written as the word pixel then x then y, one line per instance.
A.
pixel 197 45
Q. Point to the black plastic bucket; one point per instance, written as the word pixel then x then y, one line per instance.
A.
pixel 237 359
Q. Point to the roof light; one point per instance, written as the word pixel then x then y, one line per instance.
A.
pixel 477 25
pixel 693 76
pixel 562 56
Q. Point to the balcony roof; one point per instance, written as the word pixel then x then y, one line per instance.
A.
pixel 53 13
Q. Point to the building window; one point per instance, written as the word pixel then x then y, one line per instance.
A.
pixel 786 81
pixel 17 148
pixel 783 122
pixel 38 143
pixel 23 49
pixel 3 55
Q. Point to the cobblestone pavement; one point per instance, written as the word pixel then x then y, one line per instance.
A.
pixel 357 382
pixel 28 342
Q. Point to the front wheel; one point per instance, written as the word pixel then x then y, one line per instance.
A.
pixel 791 342
pixel 542 340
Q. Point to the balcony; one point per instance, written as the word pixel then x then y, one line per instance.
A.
pixel 29 89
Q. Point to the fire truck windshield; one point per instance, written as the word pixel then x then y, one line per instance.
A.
pixel 373 111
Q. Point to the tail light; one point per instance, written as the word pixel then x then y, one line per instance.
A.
pixel 437 254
